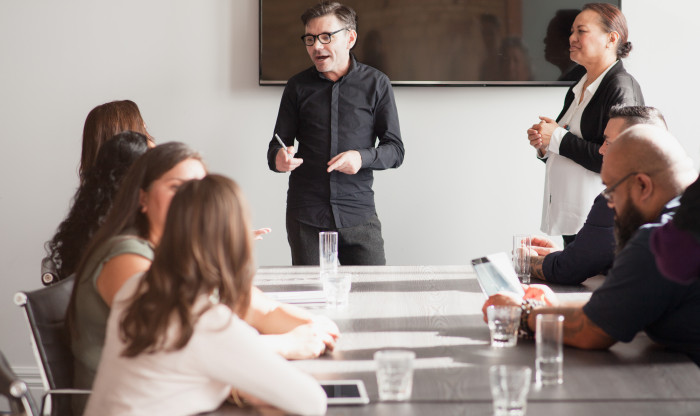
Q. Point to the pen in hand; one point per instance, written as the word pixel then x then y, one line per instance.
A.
pixel 282 144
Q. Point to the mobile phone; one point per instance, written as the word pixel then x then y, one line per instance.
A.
pixel 345 392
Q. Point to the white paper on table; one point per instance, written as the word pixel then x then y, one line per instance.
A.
pixel 298 297
pixel 495 274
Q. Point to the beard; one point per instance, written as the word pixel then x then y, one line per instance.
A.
pixel 626 225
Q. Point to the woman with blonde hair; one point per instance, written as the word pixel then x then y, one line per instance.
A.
pixel 176 340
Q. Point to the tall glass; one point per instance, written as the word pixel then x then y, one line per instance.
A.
pixel 522 243
pixel 328 252
pixel 549 343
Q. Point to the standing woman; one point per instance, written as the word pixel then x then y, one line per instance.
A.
pixel 570 144
pixel 176 340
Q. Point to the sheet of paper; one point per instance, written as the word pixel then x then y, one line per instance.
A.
pixel 298 297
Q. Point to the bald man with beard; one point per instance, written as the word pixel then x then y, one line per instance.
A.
pixel 645 171
pixel 593 251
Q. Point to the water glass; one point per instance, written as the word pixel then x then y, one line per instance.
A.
pixel 504 322
pixel 509 387
pixel 522 243
pixel 549 358
pixel 394 374
pixel 336 288
pixel 328 251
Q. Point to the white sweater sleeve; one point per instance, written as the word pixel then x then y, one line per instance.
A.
pixel 230 351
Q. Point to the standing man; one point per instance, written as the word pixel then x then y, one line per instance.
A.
pixel 336 110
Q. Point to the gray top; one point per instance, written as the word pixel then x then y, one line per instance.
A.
pixel 92 311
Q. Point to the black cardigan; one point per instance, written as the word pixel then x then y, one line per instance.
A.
pixel 617 87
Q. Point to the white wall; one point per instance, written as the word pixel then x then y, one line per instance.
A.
pixel 468 182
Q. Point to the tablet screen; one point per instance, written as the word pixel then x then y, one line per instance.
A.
pixel 495 273
pixel 341 392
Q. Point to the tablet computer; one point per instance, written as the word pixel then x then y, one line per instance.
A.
pixel 345 392
pixel 495 274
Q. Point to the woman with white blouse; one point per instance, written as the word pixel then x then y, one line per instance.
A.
pixel 570 144
pixel 176 343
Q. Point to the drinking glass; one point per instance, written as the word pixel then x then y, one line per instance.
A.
pixel 328 251
pixel 336 288
pixel 509 387
pixel 394 374
pixel 522 244
pixel 549 340
pixel 504 322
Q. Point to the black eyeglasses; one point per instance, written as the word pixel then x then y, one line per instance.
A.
pixel 324 38
pixel 607 192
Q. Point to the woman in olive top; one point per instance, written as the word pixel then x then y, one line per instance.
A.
pixel 123 247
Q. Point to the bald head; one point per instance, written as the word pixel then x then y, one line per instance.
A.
pixel 653 151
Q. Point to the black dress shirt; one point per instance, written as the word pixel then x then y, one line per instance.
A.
pixel 328 118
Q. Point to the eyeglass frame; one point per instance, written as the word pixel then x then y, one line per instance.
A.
pixel 607 192
pixel 317 37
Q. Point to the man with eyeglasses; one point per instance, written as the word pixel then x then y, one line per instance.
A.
pixel 593 250
pixel 645 170
pixel 337 110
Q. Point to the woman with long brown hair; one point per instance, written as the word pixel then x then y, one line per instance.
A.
pixel 102 123
pixel 176 341
pixel 91 202
pixel 123 247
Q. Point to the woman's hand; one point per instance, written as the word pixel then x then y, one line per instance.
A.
pixel 305 342
pixel 258 234
pixel 540 134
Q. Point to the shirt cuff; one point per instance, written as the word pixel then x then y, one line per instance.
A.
pixel 366 156
pixel 556 139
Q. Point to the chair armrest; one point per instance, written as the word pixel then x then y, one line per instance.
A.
pixel 60 392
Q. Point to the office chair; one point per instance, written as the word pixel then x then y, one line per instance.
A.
pixel 45 310
pixel 21 401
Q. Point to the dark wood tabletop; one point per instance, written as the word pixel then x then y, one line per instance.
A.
pixel 435 311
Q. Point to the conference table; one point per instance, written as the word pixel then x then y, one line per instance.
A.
pixel 435 311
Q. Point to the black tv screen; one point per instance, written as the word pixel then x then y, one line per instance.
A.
pixel 437 42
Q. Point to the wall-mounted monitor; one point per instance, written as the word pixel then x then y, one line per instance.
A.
pixel 437 42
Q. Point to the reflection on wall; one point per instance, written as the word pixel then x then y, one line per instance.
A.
pixel 428 40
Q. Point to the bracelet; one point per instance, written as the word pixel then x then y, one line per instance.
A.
pixel 525 310
pixel 237 400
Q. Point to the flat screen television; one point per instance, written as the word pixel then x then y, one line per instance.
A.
pixel 437 42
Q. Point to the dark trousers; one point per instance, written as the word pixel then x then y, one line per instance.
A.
pixel 359 245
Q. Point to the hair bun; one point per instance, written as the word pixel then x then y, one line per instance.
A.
pixel 624 49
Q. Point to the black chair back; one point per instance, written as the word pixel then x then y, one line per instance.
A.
pixel 46 312
pixel 21 401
